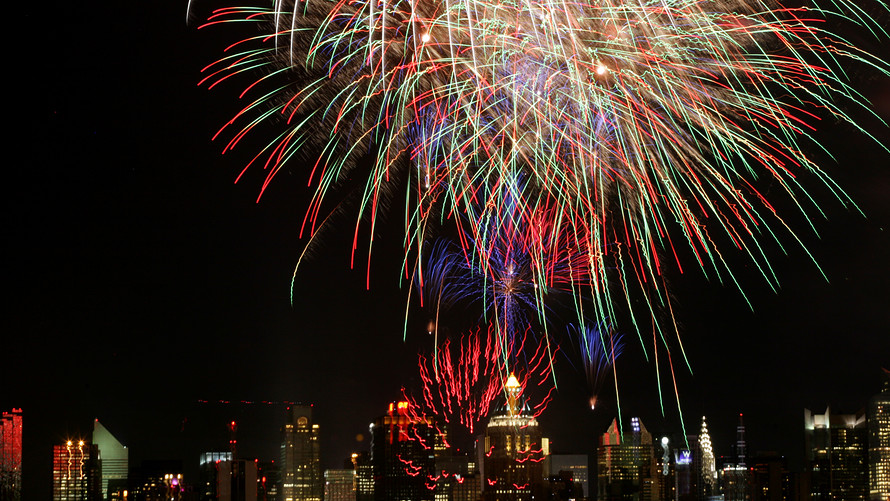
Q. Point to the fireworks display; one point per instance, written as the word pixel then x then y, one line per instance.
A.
pixel 465 377
pixel 579 145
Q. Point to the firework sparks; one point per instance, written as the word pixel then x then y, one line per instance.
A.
pixel 465 378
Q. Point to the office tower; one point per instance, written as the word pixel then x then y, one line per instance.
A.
pixel 11 455
pixel 836 455
pixel 403 455
pixel 364 476
pixel 879 442
pixel 512 450
pixel 625 463
pixel 577 464
pixel 709 485
pixel 113 457
pixel 302 478
pixel 339 485
pixel 76 474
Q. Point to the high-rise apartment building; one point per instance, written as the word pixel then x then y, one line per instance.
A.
pixel 626 466
pixel 878 414
pixel 836 449
pixel 76 474
pixel 403 455
pixel 301 476
pixel 511 451
pixel 11 455
pixel 113 458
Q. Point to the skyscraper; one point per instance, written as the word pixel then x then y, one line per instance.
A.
pixel 735 475
pixel 76 475
pixel 708 464
pixel 113 457
pixel 626 462
pixel 11 455
pixel 879 443
pixel 511 451
pixel 301 477
pixel 836 448
pixel 403 455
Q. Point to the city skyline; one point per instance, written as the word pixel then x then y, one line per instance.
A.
pixel 146 281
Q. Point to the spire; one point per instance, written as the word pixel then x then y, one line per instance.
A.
pixel 708 467
pixel 513 389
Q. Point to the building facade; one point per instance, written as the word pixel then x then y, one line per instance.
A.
pixel 11 455
pixel 339 485
pixel 301 477
pixel 878 415
pixel 403 455
pixel 511 452
pixel 113 458
pixel 626 466
pixel 837 455
pixel 76 473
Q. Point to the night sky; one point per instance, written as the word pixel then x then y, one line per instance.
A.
pixel 141 279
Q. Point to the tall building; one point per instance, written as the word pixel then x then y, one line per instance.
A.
pixel 403 455
pixel 512 450
pixel 301 477
pixel 688 471
pixel 76 474
pixel 709 486
pixel 836 455
pixel 339 485
pixel 878 414
pixel 736 477
pixel 113 458
pixel 364 476
pixel 11 455
pixel 626 466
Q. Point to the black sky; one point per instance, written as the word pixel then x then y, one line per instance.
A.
pixel 141 279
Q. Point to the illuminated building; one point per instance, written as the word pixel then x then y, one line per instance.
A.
pixel 626 466
pixel 879 443
pixel 836 449
pixel 11 455
pixel 302 478
pixel 736 478
pixel 76 475
pixel 511 451
pixel 339 485
pixel 364 476
pixel 403 455
pixel 113 457
pixel 688 471
pixel 709 485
